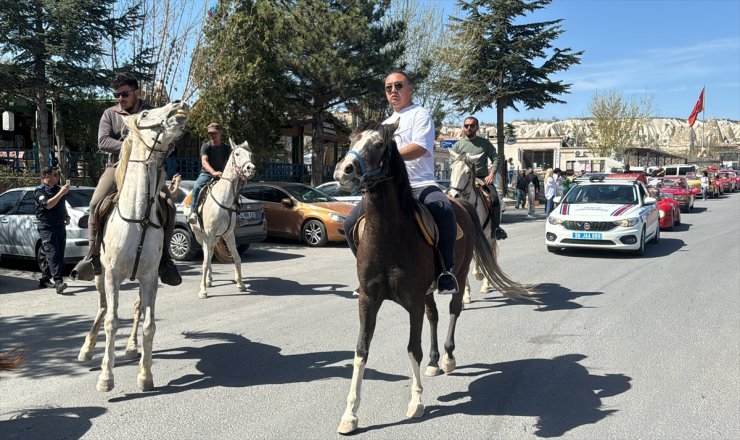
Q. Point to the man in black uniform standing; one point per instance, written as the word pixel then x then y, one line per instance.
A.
pixel 51 212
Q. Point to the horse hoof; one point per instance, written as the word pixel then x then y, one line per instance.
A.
pixel 415 411
pixel 347 426
pixel 105 385
pixel 448 364
pixel 85 355
pixel 131 353
pixel 432 371
pixel 466 299
pixel 202 295
pixel 146 383
pixel 242 288
pixel 479 276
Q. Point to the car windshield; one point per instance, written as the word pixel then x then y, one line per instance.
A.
pixel 671 183
pixel 607 194
pixel 79 198
pixel 306 194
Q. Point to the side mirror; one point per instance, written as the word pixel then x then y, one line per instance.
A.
pixel 650 200
pixel 287 202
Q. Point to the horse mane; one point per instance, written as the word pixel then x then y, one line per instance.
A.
pixel 396 165
pixel 125 153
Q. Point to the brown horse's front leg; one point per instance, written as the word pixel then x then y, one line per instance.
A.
pixel 416 315
pixel 433 318
pixel 368 314
pixel 448 360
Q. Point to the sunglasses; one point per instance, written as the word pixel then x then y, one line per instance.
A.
pixel 123 94
pixel 469 125
pixel 389 87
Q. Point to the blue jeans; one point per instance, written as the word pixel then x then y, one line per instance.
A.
pixel 440 208
pixel 200 182
pixel 549 206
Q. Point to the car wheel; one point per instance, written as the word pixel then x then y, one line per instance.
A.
pixel 182 245
pixel 678 218
pixel 656 237
pixel 641 250
pixel 314 233
pixel 673 222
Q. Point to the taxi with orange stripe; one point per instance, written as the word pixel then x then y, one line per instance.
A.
pixel 601 211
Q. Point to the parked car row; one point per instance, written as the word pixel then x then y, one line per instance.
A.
pixel 618 211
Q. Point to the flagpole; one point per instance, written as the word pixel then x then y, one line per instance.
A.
pixel 703 116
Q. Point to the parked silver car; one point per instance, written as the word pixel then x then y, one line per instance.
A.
pixel 339 193
pixel 19 237
pixel 251 225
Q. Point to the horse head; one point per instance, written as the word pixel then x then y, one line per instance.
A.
pixel 462 174
pixel 242 160
pixel 158 127
pixel 368 158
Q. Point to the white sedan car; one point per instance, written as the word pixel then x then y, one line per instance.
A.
pixel 339 193
pixel 604 213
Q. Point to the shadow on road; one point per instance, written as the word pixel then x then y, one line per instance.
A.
pixel 53 341
pixel 551 297
pixel 48 423
pixel 560 392
pixel 235 361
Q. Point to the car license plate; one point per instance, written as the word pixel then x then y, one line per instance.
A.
pixel 587 235
pixel 249 215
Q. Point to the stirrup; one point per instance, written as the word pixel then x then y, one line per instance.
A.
pixel 168 272
pixel 447 283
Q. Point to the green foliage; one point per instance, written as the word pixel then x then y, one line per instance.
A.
pixel 241 84
pixel 335 53
pixel 495 59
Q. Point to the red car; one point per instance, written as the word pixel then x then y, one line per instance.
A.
pixel 729 180
pixel 678 189
pixel 669 211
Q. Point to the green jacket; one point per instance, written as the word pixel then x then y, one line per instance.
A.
pixel 476 146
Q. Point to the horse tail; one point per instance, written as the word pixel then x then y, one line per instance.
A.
pixel 485 257
pixel 12 359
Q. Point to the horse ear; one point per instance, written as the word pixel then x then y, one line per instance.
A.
pixel 394 126
pixel 231 142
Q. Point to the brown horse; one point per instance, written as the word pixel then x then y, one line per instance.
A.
pixel 395 262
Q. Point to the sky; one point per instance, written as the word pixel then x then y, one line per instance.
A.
pixel 667 49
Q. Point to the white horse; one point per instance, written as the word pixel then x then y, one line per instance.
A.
pixel 218 213
pixel 133 235
pixel 462 186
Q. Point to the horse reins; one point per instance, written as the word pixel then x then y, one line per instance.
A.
pixel 144 222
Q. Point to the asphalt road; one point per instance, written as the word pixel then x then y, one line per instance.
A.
pixel 619 348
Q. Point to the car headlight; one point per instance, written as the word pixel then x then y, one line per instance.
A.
pixel 661 214
pixel 336 217
pixel 627 222
pixel 555 220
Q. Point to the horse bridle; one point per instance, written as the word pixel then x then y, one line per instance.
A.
pixel 376 175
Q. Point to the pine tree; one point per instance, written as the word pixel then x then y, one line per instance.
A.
pixel 493 56
pixel 54 49
pixel 335 53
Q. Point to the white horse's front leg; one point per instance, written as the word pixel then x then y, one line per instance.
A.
pixel 349 419
pixel 231 244
pixel 204 280
pixel 131 345
pixel 91 339
pixel 466 293
pixel 105 380
pixel 149 297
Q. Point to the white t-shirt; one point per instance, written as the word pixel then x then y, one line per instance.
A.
pixel 416 127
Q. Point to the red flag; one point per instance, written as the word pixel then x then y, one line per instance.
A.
pixel 698 108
